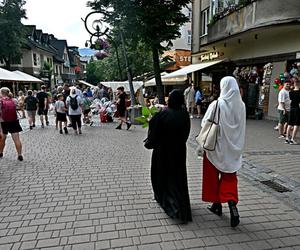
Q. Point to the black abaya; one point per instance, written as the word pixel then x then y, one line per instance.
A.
pixel 168 133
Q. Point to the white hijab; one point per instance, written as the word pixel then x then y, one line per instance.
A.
pixel 227 156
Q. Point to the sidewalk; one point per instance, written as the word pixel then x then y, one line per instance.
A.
pixel 94 192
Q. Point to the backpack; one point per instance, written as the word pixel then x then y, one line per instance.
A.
pixel 31 103
pixel 8 110
pixel 74 103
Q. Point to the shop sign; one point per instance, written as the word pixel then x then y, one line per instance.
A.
pixel 211 56
pixel 298 55
pixel 183 57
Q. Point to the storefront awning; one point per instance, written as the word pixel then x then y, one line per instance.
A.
pixel 26 77
pixel 179 77
pixel 182 73
pixel 86 83
pixel 6 75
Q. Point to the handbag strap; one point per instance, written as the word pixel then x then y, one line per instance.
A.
pixel 215 111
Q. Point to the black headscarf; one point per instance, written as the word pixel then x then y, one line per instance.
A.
pixel 176 99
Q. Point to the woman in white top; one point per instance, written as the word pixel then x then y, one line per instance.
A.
pixel 220 166
pixel 74 105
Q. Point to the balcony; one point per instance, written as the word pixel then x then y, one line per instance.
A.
pixel 68 76
pixel 258 14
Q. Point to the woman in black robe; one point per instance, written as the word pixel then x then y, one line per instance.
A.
pixel 167 136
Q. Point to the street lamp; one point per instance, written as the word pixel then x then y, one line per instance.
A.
pixel 97 29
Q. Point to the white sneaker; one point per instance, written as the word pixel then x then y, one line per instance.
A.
pixel 191 117
pixel 293 142
pixel 281 137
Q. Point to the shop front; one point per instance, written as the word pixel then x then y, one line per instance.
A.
pixel 256 58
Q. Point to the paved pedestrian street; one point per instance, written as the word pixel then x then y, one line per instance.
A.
pixel 93 191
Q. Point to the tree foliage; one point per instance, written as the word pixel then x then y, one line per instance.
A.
pixel 152 22
pixel 12 34
pixel 110 69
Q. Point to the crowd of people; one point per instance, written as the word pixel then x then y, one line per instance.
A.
pixel 289 110
pixel 70 105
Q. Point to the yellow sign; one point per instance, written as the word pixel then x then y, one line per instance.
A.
pixel 211 56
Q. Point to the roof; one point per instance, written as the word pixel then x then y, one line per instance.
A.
pixel 59 45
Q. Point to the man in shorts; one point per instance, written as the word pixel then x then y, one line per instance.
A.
pixel 284 103
pixel 189 96
pixel 42 97
pixel 31 105
pixel 9 121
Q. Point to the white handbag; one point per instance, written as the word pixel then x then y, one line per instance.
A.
pixel 207 137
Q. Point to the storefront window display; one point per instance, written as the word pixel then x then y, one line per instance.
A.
pixel 249 79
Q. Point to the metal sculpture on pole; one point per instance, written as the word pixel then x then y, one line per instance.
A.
pixel 98 29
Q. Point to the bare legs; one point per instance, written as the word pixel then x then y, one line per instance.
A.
pixel 17 142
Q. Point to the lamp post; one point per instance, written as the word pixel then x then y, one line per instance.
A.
pixel 97 30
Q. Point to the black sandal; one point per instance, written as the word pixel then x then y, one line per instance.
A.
pixel 234 214
pixel 216 208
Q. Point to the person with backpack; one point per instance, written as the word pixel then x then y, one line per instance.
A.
pixel 31 106
pixel 9 121
pixel 74 105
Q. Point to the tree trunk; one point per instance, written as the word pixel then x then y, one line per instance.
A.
pixel 7 63
pixel 156 66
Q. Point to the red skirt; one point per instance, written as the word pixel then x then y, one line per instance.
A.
pixel 218 187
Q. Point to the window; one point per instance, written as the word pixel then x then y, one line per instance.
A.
pixel 204 21
pixel 189 37
pixel 35 63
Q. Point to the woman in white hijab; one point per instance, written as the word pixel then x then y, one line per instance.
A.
pixel 220 166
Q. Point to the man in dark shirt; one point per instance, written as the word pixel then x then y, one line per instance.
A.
pixel 42 97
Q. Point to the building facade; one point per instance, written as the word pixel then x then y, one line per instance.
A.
pixel 48 58
pixel 258 40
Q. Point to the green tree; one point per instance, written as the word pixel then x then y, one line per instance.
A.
pixel 152 22
pixel 113 67
pixel 12 31
pixel 47 71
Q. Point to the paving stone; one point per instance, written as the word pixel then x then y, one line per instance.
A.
pixel 121 242
pixel 84 246
pixel 28 245
pixel 48 243
pixel 104 200
pixel 79 239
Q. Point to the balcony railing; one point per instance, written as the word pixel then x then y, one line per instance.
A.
pixel 254 14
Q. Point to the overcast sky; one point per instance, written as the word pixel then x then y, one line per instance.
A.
pixel 59 17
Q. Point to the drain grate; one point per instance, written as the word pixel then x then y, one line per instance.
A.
pixel 276 186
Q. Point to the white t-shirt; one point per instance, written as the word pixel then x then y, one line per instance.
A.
pixel 60 107
pixel 284 97
pixel 72 111
pixel 189 94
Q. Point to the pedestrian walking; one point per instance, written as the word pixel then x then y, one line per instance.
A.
pixel 61 116
pixel 121 108
pixel 221 165
pixel 31 106
pixel 294 114
pixel 86 108
pixel 42 96
pixel 9 121
pixel 284 106
pixel 21 105
pixel 74 105
pixel 198 100
pixel 167 136
pixel 189 96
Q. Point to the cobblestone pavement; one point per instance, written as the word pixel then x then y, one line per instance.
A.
pixel 93 192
